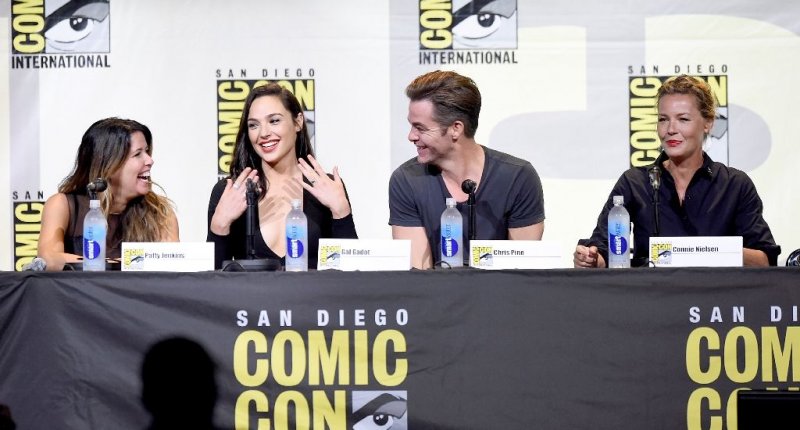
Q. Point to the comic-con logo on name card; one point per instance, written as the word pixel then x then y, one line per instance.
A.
pixel 58 34
pixel 467 32
pixel 661 253
pixel 482 256
pixel 330 256
pixel 644 143
pixel 133 258
pixel 232 88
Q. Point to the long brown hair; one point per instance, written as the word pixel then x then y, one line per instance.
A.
pixel 103 151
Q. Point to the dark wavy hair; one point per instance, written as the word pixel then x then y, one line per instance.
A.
pixel 103 151
pixel 244 155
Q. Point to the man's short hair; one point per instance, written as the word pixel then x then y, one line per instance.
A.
pixel 454 98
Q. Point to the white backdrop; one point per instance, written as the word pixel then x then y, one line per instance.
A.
pixel 563 103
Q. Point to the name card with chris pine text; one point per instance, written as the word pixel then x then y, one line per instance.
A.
pixel 167 256
pixel 364 254
pixel 515 254
pixel 696 251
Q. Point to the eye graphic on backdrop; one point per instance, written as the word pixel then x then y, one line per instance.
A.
pixel 485 24
pixel 380 413
pixel 720 126
pixel 479 26
pixel 78 26
pixel 71 29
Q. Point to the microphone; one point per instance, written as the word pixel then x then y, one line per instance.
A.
pixel 251 224
pixel 654 173
pixel 251 263
pixel 36 265
pixel 794 258
pixel 469 186
pixel 97 186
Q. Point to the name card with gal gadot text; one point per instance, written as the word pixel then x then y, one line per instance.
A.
pixel 364 254
pixel 167 256
pixel 515 254
pixel 696 251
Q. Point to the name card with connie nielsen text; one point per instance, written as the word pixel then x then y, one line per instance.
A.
pixel 696 251
pixel 364 254
pixel 515 254
pixel 167 256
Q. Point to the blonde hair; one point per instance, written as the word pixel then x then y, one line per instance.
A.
pixel 685 84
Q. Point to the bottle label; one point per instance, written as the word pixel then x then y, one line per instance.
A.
pixel 617 244
pixel 91 249
pixel 449 244
pixel 294 248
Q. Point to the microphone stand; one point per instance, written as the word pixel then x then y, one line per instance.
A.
pixel 251 263
pixel 468 186
pixel 655 182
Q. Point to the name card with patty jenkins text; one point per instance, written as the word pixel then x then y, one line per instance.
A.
pixel 364 254
pixel 515 254
pixel 167 256
pixel 696 251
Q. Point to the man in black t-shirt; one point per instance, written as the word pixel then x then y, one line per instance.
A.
pixel 509 203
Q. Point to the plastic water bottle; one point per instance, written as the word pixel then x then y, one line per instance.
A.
pixel 452 237
pixel 619 235
pixel 95 228
pixel 296 239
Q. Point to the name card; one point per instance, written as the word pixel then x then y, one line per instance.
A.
pixel 167 256
pixel 705 251
pixel 515 254
pixel 364 254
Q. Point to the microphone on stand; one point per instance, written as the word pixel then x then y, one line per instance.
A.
pixel 251 223
pixel 654 173
pixel 251 263
pixel 469 186
pixel 97 186
pixel 36 265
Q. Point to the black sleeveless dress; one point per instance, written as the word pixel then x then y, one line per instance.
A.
pixel 73 237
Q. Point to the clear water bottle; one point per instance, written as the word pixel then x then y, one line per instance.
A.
pixel 296 239
pixel 619 235
pixel 95 228
pixel 452 236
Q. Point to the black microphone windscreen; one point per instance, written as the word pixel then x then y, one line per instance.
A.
pixel 37 265
pixel 96 186
pixel 655 177
pixel 468 186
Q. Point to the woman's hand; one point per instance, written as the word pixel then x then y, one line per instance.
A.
pixel 586 256
pixel 232 203
pixel 330 192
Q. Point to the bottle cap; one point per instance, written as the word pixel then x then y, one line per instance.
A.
pixel 94 204
pixel 450 202
pixel 618 200
pixel 296 203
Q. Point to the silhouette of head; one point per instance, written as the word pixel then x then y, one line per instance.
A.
pixel 178 386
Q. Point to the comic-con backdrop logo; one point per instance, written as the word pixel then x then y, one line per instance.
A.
pixel 79 28
pixel 231 95
pixel 644 143
pixel 27 226
pixel 461 25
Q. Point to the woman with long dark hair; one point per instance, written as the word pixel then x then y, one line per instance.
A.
pixel 273 149
pixel 119 151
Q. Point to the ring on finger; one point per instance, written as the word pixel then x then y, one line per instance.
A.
pixel 312 181
pixel 236 186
